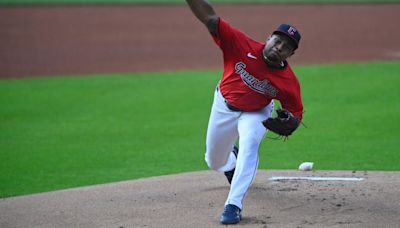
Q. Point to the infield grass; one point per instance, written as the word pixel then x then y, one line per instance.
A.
pixel 65 132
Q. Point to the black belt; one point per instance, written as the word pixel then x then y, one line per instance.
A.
pixel 232 108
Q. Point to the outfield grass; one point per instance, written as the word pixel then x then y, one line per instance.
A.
pixel 64 132
pixel 56 2
pixel 351 113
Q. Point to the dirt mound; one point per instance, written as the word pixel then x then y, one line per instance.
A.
pixel 196 200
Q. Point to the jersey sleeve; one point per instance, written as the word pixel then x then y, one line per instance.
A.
pixel 293 102
pixel 226 35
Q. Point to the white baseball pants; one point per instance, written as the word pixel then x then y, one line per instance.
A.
pixel 224 128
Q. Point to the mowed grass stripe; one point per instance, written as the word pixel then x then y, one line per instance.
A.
pixel 65 132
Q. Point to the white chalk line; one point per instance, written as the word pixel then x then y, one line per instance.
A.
pixel 277 178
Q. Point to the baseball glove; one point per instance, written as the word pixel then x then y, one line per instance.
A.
pixel 284 124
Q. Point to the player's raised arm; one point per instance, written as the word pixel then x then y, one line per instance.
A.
pixel 203 10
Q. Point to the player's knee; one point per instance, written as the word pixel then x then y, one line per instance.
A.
pixel 212 165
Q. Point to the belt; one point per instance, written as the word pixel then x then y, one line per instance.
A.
pixel 231 107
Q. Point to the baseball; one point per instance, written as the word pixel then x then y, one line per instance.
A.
pixel 306 166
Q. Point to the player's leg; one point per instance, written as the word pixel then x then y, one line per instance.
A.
pixel 221 136
pixel 251 133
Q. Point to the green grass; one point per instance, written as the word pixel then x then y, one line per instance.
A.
pixel 64 132
pixel 55 2
pixel 351 113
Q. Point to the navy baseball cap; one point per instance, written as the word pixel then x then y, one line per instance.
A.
pixel 289 31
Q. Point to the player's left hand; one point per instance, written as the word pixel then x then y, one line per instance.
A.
pixel 284 124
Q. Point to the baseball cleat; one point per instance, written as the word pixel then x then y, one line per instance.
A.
pixel 231 214
pixel 229 174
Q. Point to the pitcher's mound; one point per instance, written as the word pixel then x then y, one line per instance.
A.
pixel 196 200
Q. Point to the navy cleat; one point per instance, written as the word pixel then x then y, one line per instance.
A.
pixel 231 214
pixel 229 174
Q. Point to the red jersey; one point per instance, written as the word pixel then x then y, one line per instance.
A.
pixel 248 83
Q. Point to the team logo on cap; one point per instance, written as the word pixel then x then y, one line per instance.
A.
pixel 291 30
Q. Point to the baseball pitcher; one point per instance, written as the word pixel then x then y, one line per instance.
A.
pixel 255 73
